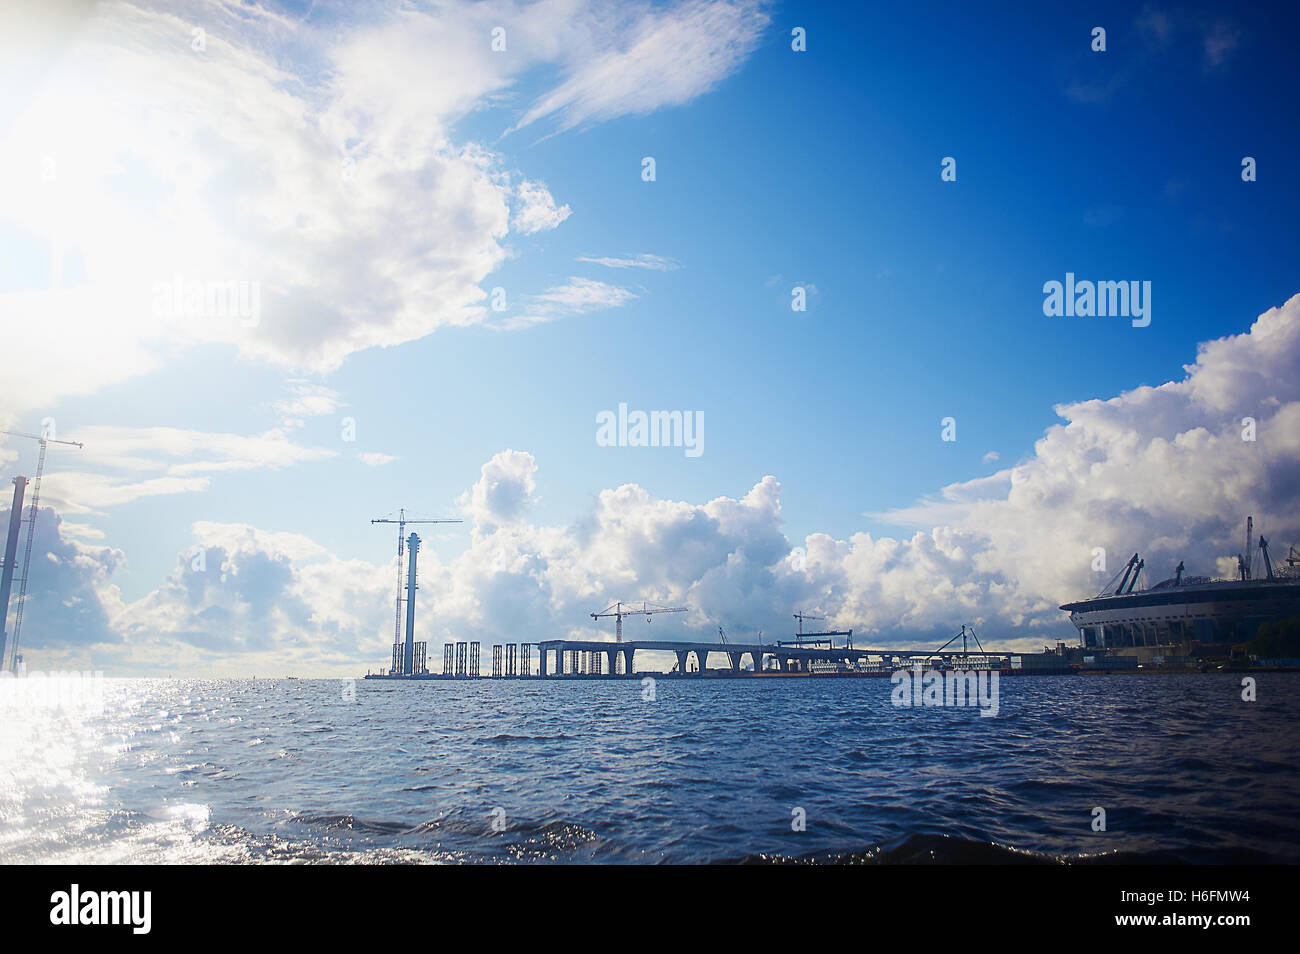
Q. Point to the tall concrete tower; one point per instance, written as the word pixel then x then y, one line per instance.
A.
pixel 408 658
pixel 11 554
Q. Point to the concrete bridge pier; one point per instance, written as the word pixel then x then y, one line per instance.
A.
pixel 702 657
pixel 682 655
pixel 734 660
pixel 628 653
pixel 756 657
pixel 611 656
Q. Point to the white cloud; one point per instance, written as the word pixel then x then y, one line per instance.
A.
pixel 269 601
pixel 82 531
pixel 653 262
pixel 1162 470
pixel 183 451
pixel 535 209
pixel 504 490
pixel 317 165
pixel 640 58
pixel 306 400
pixel 79 492
pixel 375 459
pixel 183 461
pixel 578 296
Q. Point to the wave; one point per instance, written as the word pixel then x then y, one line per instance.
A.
pixel 935 849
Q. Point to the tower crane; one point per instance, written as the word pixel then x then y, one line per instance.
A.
pixel 803 616
pixel 722 635
pixel 401 522
pixel 647 610
pixel 963 634
pixel 27 546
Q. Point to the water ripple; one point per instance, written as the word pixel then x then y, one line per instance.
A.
pixel 773 771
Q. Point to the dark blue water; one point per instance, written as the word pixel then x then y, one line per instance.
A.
pixel 714 770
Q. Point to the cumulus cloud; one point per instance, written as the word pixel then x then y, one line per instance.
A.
pixel 503 492
pixel 535 209
pixel 244 598
pixel 69 592
pixel 284 157
pixel 1163 470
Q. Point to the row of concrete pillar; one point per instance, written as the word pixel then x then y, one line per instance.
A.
pixel 702 656
pixel 611 656
pixel 616 651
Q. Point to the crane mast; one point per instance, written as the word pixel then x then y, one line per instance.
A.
pixel 401 522
pixel 803 616
pixel 27 545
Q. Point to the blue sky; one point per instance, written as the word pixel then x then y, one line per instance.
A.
pixel 774 168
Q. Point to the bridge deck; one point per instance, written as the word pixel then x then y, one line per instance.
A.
pixel 771 649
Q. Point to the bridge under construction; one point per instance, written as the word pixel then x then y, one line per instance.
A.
pixel 808 654
pixel 580 657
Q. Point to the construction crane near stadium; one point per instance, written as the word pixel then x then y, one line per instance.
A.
pixel 647 610
pixel 963 635
pixel 11 645
pixel 401 522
